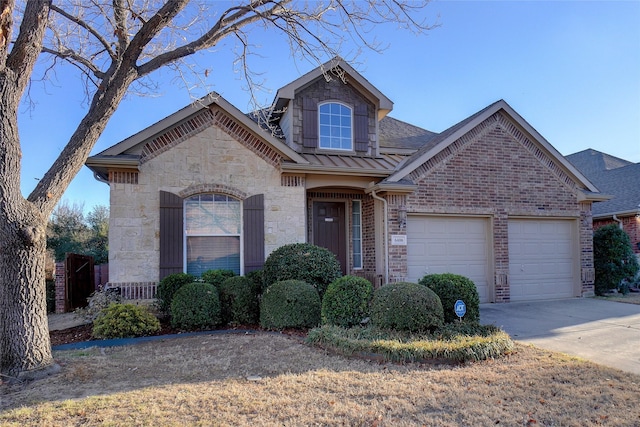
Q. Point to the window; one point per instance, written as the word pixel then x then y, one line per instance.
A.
pixel 356 233
pixel 335 126
pixel 212 233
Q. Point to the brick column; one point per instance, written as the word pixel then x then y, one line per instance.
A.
pixel 61 288
pixel 501 253
pixel 587 270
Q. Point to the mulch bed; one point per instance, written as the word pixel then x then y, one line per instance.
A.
pixel 83 333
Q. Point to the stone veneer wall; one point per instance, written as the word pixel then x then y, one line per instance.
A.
pixel 496 171
pixel 211 158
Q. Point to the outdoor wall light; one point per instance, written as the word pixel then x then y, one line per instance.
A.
pixel 402 216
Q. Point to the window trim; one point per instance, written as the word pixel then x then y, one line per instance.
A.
pixel 240 235
pixel 351 127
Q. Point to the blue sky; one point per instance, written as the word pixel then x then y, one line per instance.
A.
pixel 570 68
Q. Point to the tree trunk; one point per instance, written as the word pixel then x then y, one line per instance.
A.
pixel 25 348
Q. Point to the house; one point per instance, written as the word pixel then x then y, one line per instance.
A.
pixel 211 187
pixel 619 178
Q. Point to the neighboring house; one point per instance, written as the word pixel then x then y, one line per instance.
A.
pixel 489 198
pixel 620 179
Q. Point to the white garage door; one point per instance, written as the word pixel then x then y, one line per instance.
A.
pixel 542 262
pixel 449 245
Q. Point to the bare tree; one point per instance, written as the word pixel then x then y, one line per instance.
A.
pixel 117 45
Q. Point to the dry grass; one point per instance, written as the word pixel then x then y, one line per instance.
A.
pixel 269 379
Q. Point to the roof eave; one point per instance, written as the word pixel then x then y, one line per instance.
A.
pixel 633 212
pixel 392 187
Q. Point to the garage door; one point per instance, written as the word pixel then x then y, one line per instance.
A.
pixel 542 262
pixel 449 245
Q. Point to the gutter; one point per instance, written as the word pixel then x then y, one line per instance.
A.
pixel 385 232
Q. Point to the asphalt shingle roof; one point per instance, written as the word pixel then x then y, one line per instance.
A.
pixel 612 175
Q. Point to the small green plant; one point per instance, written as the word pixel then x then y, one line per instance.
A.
pixel 239 301
pixel 450 288
pixel 216 277
pixel 124 321
pixel 196 306
pixel 168 287
pixel 406 307
pixel 346 301
pixel 290 304
pixel 302 261
pixel 97 303
pixel 613 258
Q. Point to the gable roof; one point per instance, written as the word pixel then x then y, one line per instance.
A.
pixel 332 69
pixel 612 175
pixel 441 141
pixel 394 135
pixel 128 152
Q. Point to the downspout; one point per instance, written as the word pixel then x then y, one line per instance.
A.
pixel 384 232
pixel 619 221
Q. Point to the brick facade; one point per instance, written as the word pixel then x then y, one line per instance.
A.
pixel 495 171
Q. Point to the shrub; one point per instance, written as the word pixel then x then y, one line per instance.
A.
pixel 196 306
pixel 346 301
pixel 239 301
pixel 450 288
pixel 51 296
pixel 257 277
pixel 168 287
pixel 123 321
pixel 302 261
pixel 216 277
pixel 406 307
pixel 290 304
pixel 613 258
pixel 97 303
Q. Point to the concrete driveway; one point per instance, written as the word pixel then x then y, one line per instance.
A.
pixel 604 332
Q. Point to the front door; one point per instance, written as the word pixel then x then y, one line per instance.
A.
pixel 329 229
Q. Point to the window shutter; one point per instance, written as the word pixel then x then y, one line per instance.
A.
pixel 253 232
pixel 309 123
pixel 361 131
pixel 171 237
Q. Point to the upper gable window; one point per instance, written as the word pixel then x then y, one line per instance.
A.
pixel 336 128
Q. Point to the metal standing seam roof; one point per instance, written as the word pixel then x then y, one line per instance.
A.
pixel 380 166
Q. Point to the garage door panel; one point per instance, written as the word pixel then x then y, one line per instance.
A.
pixel 541 258
pixel 458 245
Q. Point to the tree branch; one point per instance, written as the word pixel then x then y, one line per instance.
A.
pixel 104 42
pixel 77 60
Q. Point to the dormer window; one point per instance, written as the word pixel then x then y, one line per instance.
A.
pixel 335 126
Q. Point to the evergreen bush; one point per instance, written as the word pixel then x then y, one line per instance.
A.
pixel 407 307
pixel 216 277
pixel 346 301
pixel 450 288
pixel 290 304
pixel 613 258
pixel 302 261
pixel 124 321
pixel 196 306
pixel 239 301
pixel 168 287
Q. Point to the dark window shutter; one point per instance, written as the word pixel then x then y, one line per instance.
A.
pixel 253 231
pixel 361 131
pixel 171 234
pixel 309 123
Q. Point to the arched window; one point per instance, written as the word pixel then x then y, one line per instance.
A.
pixel 213 226
pixel 336 125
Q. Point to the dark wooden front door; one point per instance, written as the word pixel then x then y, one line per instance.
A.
pixel 329 229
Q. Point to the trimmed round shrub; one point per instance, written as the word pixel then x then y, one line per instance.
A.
pixel 239 301
pixel 450 288
pixel 407 307
pixel 216 277
pixel 196 306
pixel 346 301
pixel 168 287
pixel 290 304
pixel 124 321
pixel 302 261
pixel 613 258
